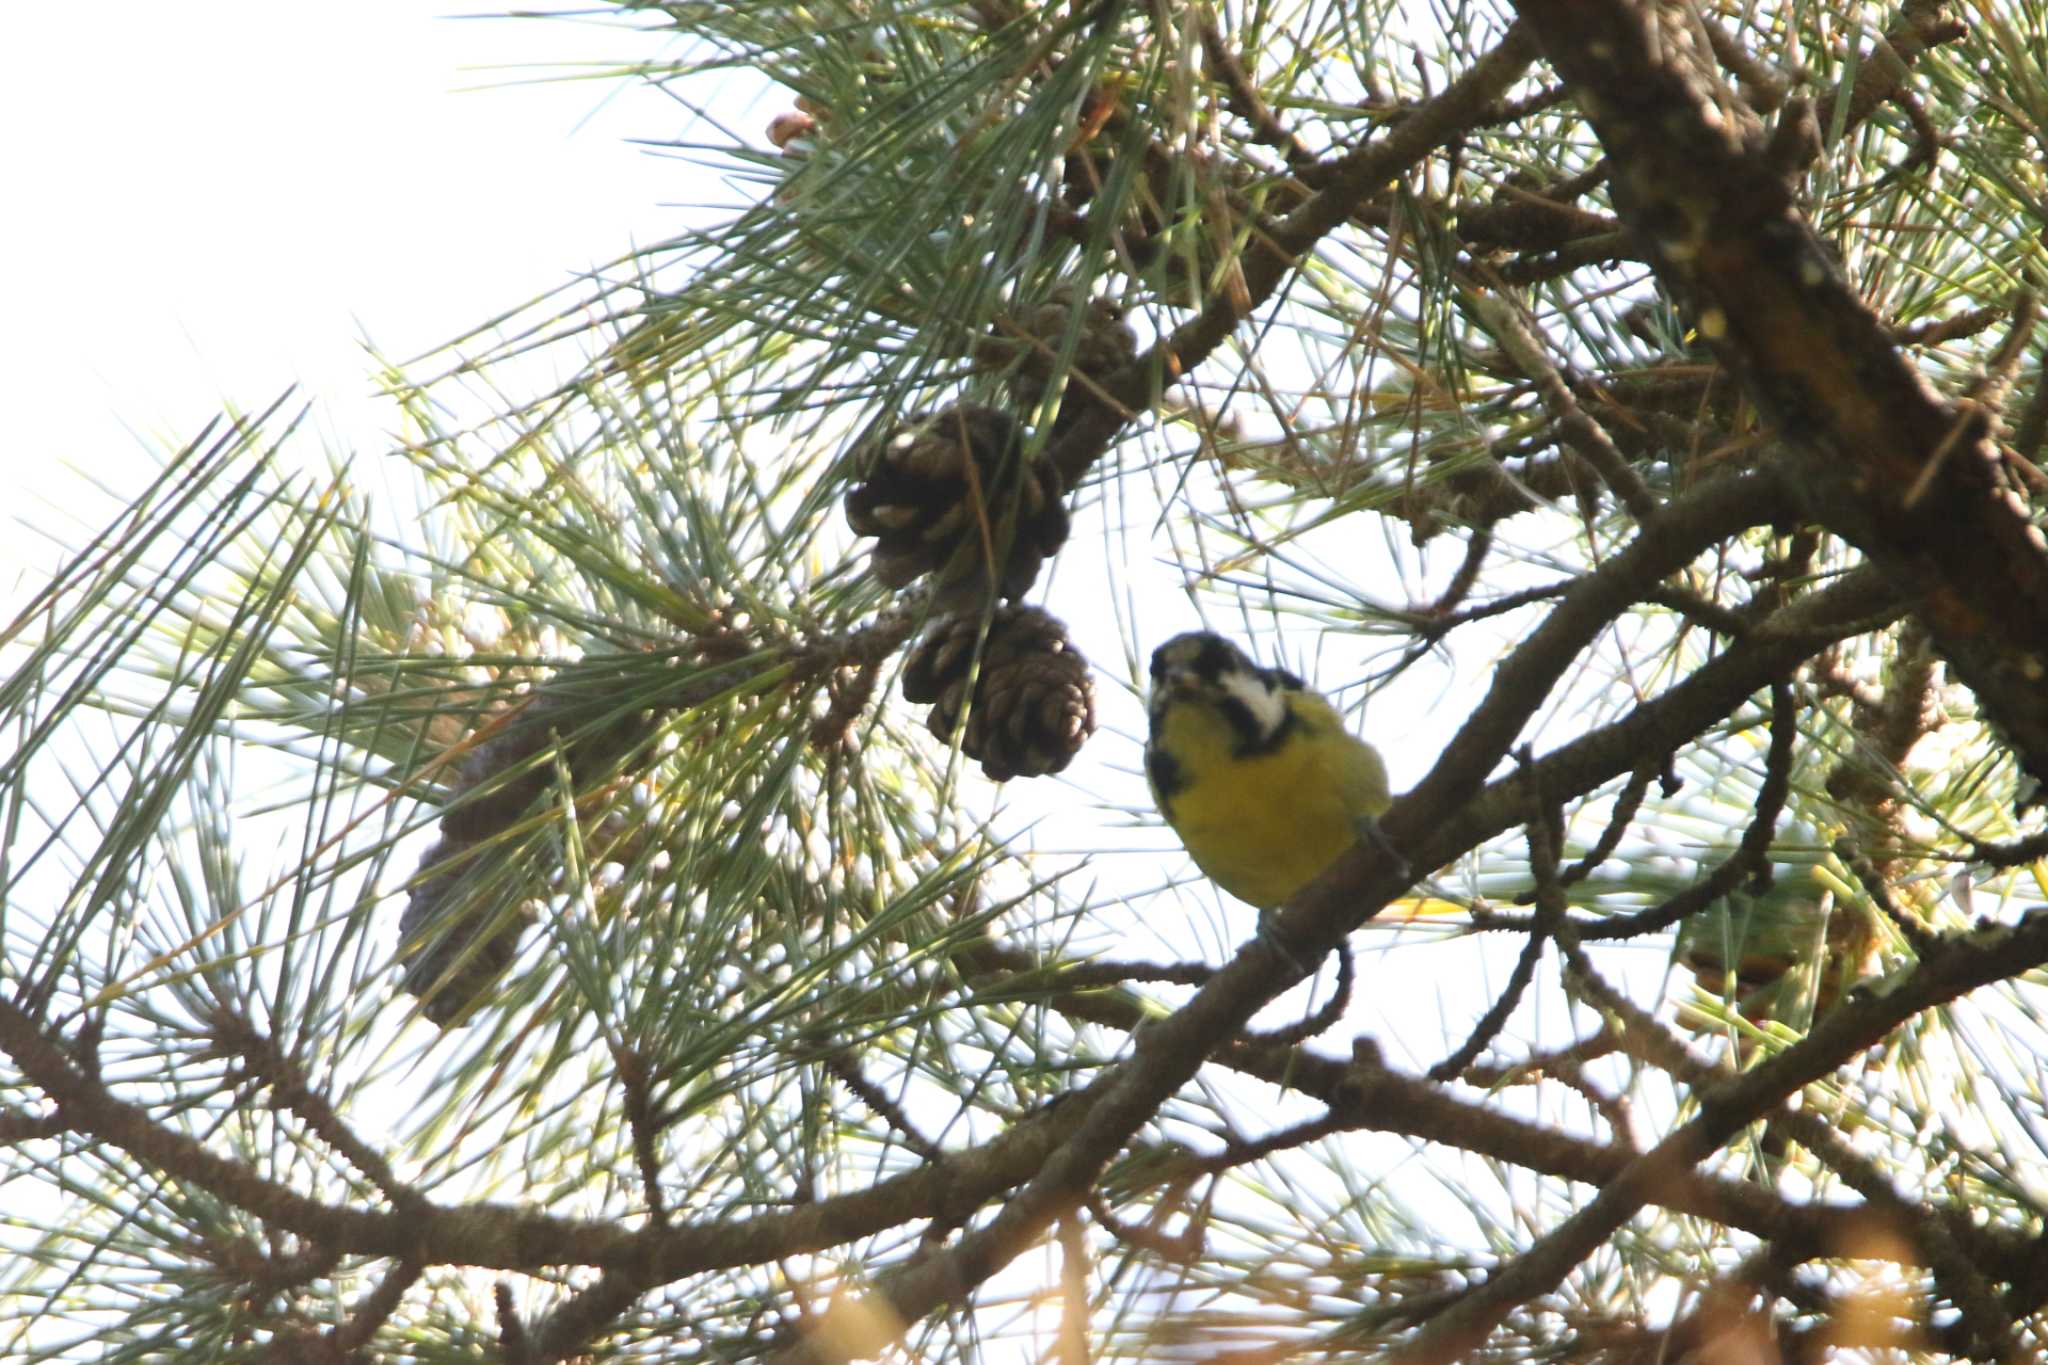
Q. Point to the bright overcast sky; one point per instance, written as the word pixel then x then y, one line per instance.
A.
pixel 208 202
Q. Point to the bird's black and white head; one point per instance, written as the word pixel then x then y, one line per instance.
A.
pixel 1203 667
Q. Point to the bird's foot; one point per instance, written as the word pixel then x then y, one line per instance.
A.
pixel 1280 949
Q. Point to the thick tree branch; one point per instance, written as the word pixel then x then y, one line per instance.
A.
pixel 1862 427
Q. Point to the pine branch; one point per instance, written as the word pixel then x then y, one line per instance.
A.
pixel 1861 423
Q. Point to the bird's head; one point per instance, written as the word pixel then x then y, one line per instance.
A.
pixel 1205 669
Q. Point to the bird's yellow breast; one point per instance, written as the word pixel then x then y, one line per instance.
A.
pixel 1262 824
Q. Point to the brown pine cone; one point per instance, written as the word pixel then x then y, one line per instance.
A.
pixel 1104 345
pixel 1033 705
pixel 467 910
pixel 939 489
pixel 461 934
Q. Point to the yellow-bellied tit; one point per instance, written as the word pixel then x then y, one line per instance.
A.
pixel 1254 770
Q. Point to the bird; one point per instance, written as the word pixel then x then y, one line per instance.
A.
pixel 1254 770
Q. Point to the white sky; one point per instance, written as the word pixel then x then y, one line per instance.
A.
pixel 207 202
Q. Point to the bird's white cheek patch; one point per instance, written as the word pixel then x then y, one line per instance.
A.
pixel 1267 708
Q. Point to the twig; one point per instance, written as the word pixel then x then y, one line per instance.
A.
pixel 1751 858
pixel 1238 1152
pixel 851 690
pixel 1585 435
pixel 1526 220
pixel 1605 249
pixel 1081 976
pixel 1332 1010
pixel 1697 609
pixel 1545 835
pixel 289 1089
pixel 1795 142
pixel 842 1065
pixel 638 1102
pixel 1626 804
pixel 2019 853
pixel 1950 329
pixel 1245 99
pixel 2002 366
pixel 1641 1035
pixel 570 1325
pixel 512 1342
pixel 263 1272
pixel 1927 139
pixel 1764 88
pixel 1921 25
pixel 374 1309
pixel 1614 1109
pixel 1917 935
pixel 1477 544
pixel 1433 630
pixel 1493 1075
pixel 1508 111
pixel 1180 1248
pixel 2027 436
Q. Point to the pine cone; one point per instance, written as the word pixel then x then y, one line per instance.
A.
pixel 1032 707
pixel 930 487
pixel 467 936
pixel 1105 344
pixel 460 931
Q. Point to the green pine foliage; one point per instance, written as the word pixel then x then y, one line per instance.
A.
pixel 490 899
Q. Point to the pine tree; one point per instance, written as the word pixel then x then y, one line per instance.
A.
pixel 674 880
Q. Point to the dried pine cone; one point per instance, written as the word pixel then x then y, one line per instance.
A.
pixel 932 488
pixel 467 935
pixel 1104 345
pixel 466 914
pixel 1033 706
